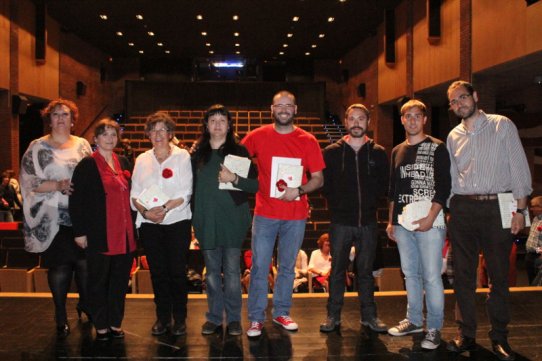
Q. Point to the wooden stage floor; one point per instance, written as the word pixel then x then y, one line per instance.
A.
pixel 27 333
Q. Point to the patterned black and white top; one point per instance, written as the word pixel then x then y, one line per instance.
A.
pixel 44 212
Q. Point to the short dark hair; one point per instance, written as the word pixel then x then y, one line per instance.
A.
pixel 458 83
pixel 46 112
pixel 285 93
pixel 359 106
pixel 158 117
pixel 105 123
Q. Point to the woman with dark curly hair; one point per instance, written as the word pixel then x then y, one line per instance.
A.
pixel 45 178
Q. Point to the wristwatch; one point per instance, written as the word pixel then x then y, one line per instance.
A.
pixel 522 211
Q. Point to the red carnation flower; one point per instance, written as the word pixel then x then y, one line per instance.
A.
pixel 126 174
pixel 281 185
pixel 167 173
pixel 539 228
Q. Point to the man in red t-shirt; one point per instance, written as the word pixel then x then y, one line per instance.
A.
pixel 281 207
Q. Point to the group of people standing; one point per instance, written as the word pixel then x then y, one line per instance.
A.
pixel 78 215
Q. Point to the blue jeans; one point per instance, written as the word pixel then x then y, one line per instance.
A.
pixel 264 234
pixel 342 238
pixel 223 297
pixel 421 262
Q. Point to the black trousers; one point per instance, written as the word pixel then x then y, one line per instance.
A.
pixel 166 247
pixel 108 278
pixel 474 226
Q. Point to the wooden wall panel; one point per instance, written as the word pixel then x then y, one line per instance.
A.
pixel 504 30
pixel 4 44
pixel 435 62
pixel 392 78
pixel 34 79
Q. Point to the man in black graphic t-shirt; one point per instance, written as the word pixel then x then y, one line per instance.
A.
pixel 419 179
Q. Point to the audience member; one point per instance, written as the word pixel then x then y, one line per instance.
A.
pixel 533 257
pixel 355 178
pixel 301 272
pixel 320 262
pixel 45 178
pixel 487 158
pixel 8 199
pixel 285 216
pixel 420 173
pixel 164 230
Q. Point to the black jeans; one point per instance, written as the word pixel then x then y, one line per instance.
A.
pixel 342 238
pixel 474 226
pixel 108 278
pixel 166 247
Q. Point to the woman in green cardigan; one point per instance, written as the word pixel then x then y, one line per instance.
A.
pixel 221 217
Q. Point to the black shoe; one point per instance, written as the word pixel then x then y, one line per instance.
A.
pixel 461 344
pixel 105 336
pixel 330 324
pixel 62 330
pixel 235 329
pixel 178 329
pixel 502 350
pixel 209 328
pixel 159 328
pixel 116 333
pixel 80 310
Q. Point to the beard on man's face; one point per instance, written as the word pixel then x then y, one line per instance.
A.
pixel 357 132
pixel 283 117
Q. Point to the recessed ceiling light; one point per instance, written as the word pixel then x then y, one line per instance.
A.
pixel 103 16
pixel 295 18
pixel 141 52
pixel 160 44
pixel 211 52
pixel 167 51
pixel 307 53
pixel 150 33
pixel 289 35
pixel 237 44
pixel 281 52
pixel 119 33
pixel 199 17
pixel 321 35
pixel 204 33
pixel 284 45
pixel 330 19
pixel 207 44
pixel 236 34
pixel 342 1
pixel 139 17
pixel 235 17
pixel 237 52
pixel 131 44
pixel 313 46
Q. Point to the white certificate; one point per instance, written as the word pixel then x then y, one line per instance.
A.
pixel 508 206
pixel 237 165
pixel 276 161
pixel 418 210
pixel 152 197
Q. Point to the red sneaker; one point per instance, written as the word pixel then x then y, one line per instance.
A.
pixel 255 329
pixel 286 322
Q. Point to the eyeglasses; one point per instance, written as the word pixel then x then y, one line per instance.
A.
pixel 284 106
pixel 459 99
pixel 417 116
pixel 162 130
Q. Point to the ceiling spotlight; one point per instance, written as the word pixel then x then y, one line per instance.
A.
pixel 141 52
pixel 237 52
pixel 281 52
pixel 237 45
pixel 284 45
pixel 207 44
pixel 330 19
pixel 342 1
pixel 103 16
pixel 211 52
pixel 321 35
pixel 307 53
pixel 199 17
pixel 235 17
pixel 131 44
pixel 295 18
pixel 167 51
pixel 313 46
pixel 204 33
pixel 150 33
pixel 139 17
pixel 289 35
pixel 235 34
pixel 160 44
pixel 119 33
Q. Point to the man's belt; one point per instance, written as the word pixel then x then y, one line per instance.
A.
pixel 479 197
